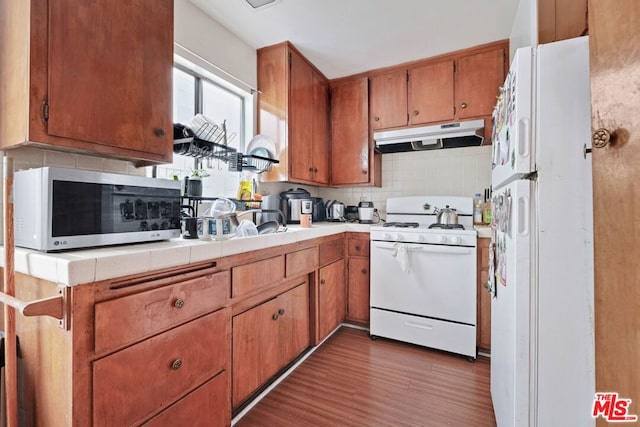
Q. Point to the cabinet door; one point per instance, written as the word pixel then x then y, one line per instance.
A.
pixel 293 322
pixel 255 349
pixel 320 155
pixel 478 78
pixel 431 93
pixel 560 20
pixel 300 119
pixel 483 323
pixel 389 100
pixel 358 290
pixel 350 144
pixel 331 297
pixel 110 73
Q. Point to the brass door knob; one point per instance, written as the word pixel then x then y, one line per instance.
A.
pixel 176 364
pixel 275 316
pixel 600 138
pixel 415 112
pixel 322 282
pixel 179 303
pixel 281 312
pixel 463 105
pixel 376 119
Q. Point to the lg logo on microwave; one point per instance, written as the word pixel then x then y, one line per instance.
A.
pixel 59 242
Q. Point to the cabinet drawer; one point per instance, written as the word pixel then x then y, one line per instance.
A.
pixel 248 277
pixel 331 251
pixel 301 262
pixel 207 406
pixel 135 382
pixel 128 319
pixel 358 247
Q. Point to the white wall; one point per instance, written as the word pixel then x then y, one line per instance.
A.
pixel 525 26
pixel 451 172
pixel 197 32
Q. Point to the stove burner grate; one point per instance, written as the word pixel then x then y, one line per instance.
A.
pixel 402 224
pixel 447 226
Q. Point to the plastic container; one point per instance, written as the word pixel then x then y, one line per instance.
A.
pixel 477 209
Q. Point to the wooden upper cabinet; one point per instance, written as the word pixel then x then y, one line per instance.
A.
pixel 477 80
pixel 96 77
pixel 351 148
pixel 561 20
pixel 300 117
pixel 431 93
pixel 293 111
pixel 388 100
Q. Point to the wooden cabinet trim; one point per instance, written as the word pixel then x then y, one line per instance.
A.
pixel 300 262
pixel 331 251
pixel 250 277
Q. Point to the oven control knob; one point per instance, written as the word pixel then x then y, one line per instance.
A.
pixel 442 239
pixel 421 239
pixel 455 239
pixel 400 237
pixel 387 236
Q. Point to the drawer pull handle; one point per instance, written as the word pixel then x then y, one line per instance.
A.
pixel 418 325
pixel 179 303
pixel 176 364
pixel 275 316
pixel 281 312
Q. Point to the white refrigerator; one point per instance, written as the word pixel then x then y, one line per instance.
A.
pixel 542 331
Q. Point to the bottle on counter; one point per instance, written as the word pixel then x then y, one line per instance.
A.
pixel 486 210
pixel 245 189
pixel 477 209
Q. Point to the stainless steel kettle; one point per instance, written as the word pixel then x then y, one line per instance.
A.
pixel 446 215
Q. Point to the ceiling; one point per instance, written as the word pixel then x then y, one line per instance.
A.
pixel 344 37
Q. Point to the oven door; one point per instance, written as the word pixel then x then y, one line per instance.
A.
pixel 440 281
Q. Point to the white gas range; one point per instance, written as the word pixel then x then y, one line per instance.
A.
pixel 423 280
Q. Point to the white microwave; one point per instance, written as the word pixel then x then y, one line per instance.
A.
pixel 58 209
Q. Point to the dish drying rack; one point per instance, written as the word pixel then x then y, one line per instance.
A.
pixel 210 141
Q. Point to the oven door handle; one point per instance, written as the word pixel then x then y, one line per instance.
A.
pixel 440 249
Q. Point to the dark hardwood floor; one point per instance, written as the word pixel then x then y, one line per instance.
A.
pixel 354 381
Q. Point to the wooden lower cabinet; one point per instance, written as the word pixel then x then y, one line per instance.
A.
pixel 483 325
pixel 358 280
pixel 331 297
pixel 206 406
pixel 266 338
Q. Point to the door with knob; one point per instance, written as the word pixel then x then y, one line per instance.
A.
pixel 331 297
pixel 358 292
pixel 388 100
pixel 431 93
pixel 477 79
pixel 615 69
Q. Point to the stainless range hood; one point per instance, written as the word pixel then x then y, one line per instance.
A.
pixel 448 135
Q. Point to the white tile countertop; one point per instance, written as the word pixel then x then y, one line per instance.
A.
pixel 90 265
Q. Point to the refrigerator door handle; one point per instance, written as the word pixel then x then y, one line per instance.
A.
pixel 523 137
pixel 523 216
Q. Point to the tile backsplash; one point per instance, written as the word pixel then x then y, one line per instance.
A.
pixel 453 172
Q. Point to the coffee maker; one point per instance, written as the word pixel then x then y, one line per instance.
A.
pixel 365 212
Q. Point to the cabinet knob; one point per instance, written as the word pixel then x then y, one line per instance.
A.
pixel 363 271
pixel 322 282
pixel 281 312
pixel 176 364
pixel 376 119
pixel 358 248
pixel 310 169
pixel 601 138
pixel 364 172
pixel 179 303
pixel 315 170
pixel 463 105
pixel 415 112
pixel 275 316
pixel 160 132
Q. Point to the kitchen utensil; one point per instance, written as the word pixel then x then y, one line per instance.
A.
pixel 292 203
pixel 335 211
pixel 268 227
pixel 319 212
pixel 446 215
pixel 365 212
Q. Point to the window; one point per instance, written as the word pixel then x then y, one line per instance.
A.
pixel 197 91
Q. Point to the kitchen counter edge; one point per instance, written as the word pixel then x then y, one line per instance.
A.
pixel 92 265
